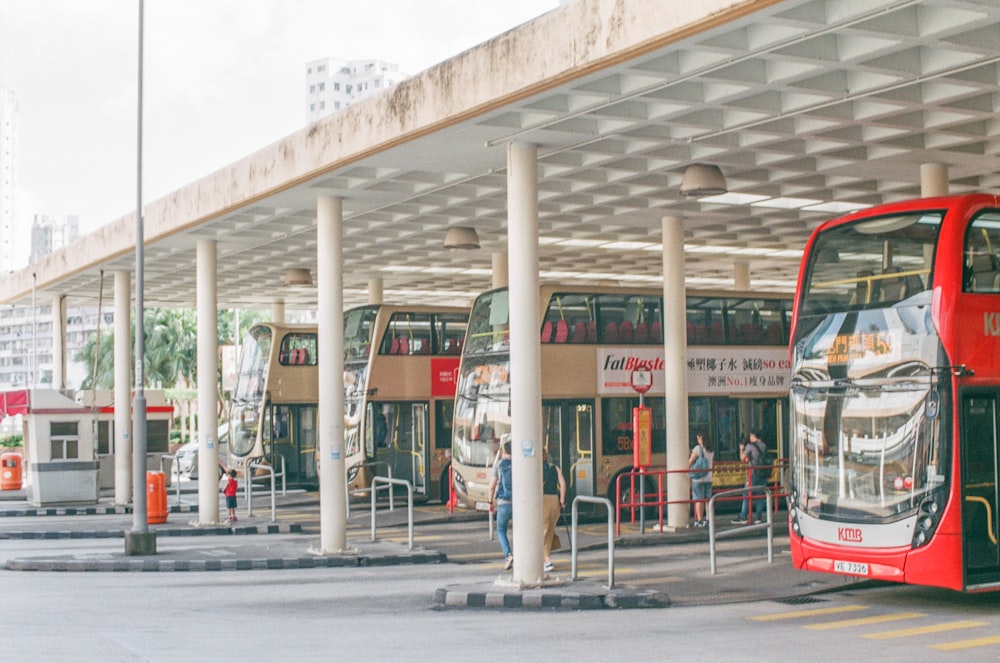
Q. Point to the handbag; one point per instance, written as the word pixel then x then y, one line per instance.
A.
pixel 556 543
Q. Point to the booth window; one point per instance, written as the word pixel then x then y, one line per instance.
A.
pixel 157 436
pixel 64 437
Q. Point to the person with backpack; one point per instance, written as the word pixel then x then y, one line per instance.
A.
pixel 700 463
pixel 755 454
pixel 500 499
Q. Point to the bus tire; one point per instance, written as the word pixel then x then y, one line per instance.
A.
pixel 444 484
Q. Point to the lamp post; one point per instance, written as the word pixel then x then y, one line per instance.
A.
pixel 139 540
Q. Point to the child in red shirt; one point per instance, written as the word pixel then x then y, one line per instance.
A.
pixel 230 493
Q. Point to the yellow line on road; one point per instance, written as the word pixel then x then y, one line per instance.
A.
pixel 656 581
pixel 807 613
pixel 967 644
pixel 864 621
pixel 923 630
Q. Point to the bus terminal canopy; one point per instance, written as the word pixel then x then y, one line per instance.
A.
pixel 810 108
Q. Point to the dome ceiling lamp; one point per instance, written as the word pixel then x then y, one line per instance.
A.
pixel 701 179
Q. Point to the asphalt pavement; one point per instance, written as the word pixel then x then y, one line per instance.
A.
pixel 648 568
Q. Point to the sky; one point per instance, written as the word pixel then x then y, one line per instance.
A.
pixel 222 79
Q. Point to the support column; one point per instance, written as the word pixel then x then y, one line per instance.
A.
pixel 375 293
pixel 59 342
pixel 330 313
pixel 208 367
pixel 525 362
pixel 741 276
pixel 500 270
pixel 675 367
pixel 278 310
pixel 933 180
pixel 123 388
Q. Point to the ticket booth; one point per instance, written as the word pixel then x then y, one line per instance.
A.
pixel 159 415
pixel 60 451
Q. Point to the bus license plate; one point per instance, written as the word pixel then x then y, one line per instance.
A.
pixel 853 568
pixel 482 506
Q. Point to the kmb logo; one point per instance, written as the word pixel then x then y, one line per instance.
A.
pixel 852 534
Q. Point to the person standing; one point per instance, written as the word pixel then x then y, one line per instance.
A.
pixel 751 452
pixel 553 502
pixel 500 499
pixel 230 492
pixel 701 478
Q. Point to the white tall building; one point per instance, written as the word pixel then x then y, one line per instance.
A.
pixel 8 184
pixel 49 235
pixel 332 84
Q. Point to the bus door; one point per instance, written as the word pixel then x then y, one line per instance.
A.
pixel 404 447
pixel 568 434
pixel 292 430
pixel 980 453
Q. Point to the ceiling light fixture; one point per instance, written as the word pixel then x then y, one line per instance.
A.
pixel 297 276
pixel 461 237
pixel 701 179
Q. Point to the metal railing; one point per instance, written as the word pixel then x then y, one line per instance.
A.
pixel 174 476
pixel 611 537
pixel 409 502
pixel 248 484
pixel 768 524
pixel 360 491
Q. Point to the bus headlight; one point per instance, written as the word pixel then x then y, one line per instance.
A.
pixel 927 520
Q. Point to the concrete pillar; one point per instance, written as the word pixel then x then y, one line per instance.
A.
pixel 741 275
pixel 330 314
pixel 123 388
pixel 525 363
pixel 278 310
pixel 208 366
pixel 59 342
pixel 499 261
pixel 675 366
pixel 933 180
pixel 375 294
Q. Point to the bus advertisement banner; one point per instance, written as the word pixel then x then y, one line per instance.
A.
pixel 444 376
pixel 716 370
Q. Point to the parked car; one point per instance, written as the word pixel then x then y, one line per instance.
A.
pixel 186 457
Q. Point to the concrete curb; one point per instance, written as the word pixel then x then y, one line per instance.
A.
pixel 273 528
pixel 571 596
pixel 152 564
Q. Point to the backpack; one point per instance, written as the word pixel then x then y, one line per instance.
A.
pixel 504 483
pixel 764 463
pixel 700 463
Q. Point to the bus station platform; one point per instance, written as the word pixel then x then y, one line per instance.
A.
pixel 655 570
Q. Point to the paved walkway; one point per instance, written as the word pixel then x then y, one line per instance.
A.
pixel 290 542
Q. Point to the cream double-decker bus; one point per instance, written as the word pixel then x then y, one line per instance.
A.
pixel 591 338
pixel 400 368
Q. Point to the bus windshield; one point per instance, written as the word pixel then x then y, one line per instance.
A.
pixel 249 392
pixel 359 324
pixel 870 263
pixel 482 410
pixel 867 395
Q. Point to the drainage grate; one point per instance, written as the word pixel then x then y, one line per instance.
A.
pixel 798 600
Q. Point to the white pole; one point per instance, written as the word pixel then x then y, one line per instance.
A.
pixel 675 366
pixel 525 362
pixel 123 386
pixel 933 180
pixel 59 341
pixel 499 262
pixel 208 342
pixel 330 278
pixel 278 310
pixel 375 291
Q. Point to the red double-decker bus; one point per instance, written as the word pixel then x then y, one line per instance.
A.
pixel 895 395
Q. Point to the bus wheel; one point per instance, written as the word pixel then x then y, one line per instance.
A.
pixel 444 484
pixel 626 497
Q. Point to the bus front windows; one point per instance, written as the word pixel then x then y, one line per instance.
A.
pixel 867 452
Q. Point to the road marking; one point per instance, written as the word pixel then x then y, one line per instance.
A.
pixel 656 581
pixel 864 621
pixel 807 613
pixel 923 630
pixel 967 644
